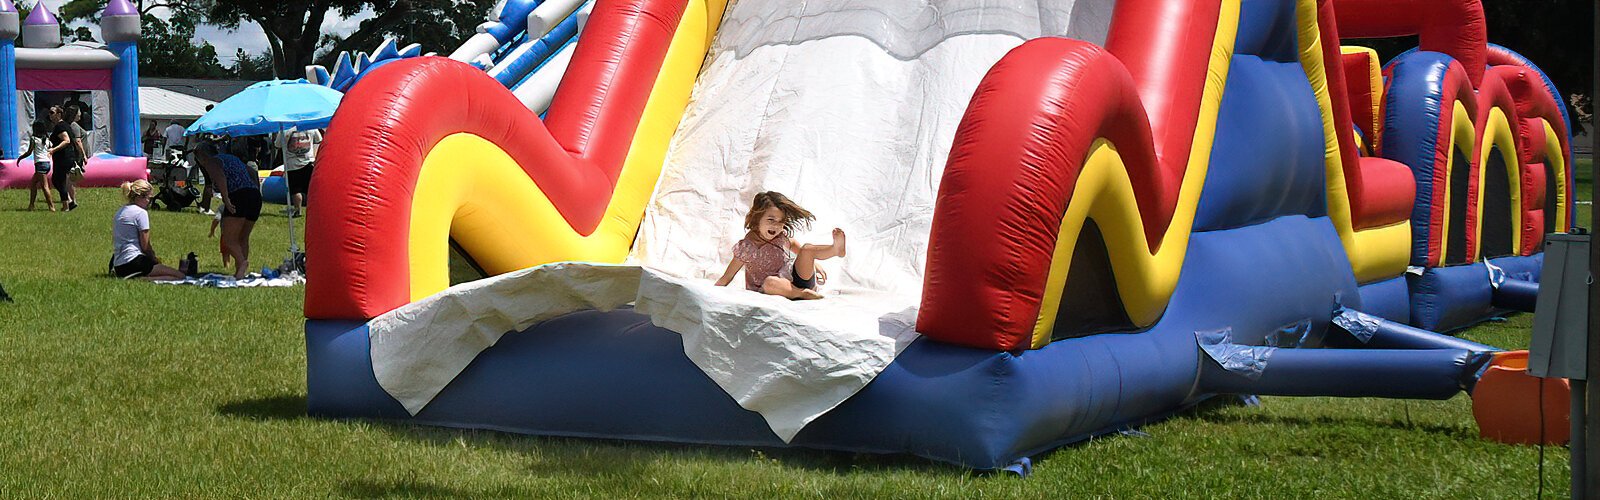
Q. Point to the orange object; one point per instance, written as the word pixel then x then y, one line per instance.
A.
pixel 1506 403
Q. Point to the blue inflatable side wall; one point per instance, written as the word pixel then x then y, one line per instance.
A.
pixel 1252 180
pixel 1450 298
pixel 615 375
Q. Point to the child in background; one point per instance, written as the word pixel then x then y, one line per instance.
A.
pixel 216 221
pixel 39 148
pixel 774 264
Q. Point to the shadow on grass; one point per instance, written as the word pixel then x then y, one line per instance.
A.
pixel 1216 413
pixel 587 457
pixel 280 407
pixel 411 487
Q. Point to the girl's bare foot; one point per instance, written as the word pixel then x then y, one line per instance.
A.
pixel 838 241
pixel 807 294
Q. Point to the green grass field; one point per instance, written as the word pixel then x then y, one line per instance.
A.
pixel 127 389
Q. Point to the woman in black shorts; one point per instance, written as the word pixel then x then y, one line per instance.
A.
pixel 241 199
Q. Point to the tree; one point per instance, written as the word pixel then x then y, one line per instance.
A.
pixel 75 10
pixel 168 49
pixel 252 67
pixel 444 25
pixel 293 26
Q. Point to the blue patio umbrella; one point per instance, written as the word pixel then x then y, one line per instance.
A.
pixel 268 107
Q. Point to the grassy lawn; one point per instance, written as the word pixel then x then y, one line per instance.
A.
pixel 114 389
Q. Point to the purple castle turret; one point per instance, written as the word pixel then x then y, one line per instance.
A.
pixel 41 30
pixel 119 22
pixel 10 25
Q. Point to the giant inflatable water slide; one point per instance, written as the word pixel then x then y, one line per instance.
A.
pixel 1095 214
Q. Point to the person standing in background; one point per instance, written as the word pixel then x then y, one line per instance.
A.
pixel 149 139
pixel 72 116
pixel 174 136
pixel 299 154
pixel 241 201
pixel 63 155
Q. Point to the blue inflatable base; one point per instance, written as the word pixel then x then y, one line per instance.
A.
pixel 614 375
pixel 1388 299
pixel 1445 299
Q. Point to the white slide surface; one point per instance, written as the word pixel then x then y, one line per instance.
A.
pixel 848 107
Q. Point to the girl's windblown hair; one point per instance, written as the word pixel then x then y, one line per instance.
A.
pixel 794 217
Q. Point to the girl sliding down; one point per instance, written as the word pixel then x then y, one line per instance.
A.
pixel 774 264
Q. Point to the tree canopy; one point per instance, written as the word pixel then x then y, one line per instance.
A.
pixel 293 31
pixel 293 27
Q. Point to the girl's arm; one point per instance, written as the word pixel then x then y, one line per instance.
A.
pixel 727 276
pixel 29 151
pixel 144 245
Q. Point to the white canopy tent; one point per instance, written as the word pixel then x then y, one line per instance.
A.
pixel 156 103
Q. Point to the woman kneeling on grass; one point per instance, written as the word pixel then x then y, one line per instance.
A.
pixel 241 197
pixel 131 253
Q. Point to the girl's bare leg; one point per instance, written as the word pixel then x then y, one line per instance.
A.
pixel 805 262
pixel 231 231
pixel 244 242
pixel 774 285
pixel 34 187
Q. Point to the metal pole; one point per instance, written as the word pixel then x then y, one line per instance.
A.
pixel 1591 419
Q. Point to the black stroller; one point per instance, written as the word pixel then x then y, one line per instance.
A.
pixel 176 178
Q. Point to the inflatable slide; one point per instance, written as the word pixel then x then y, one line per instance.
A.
pixel 1066 218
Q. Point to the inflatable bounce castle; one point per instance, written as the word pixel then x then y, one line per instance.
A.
pixel 108 73
pixel 1066 218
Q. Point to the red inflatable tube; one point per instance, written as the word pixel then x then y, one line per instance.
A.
pixel 1010 176
pixel 1454 27
pixel 392 118
pixel 1359 88
pixel 1381 191
pixel 1533 216
pixel 1165 45
pixel 1534 100
pixel 1492 94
